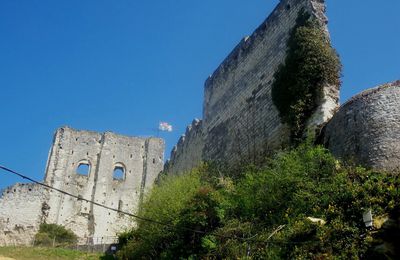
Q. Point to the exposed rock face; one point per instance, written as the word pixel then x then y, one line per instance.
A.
pixel 366 129
pixel 239 117
pixel 114 170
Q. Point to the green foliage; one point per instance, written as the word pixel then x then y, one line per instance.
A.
pixel 265 213
pixel 54 235
pixel 174 196
pixel 310 64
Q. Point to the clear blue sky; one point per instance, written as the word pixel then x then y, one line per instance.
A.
pixel 124 65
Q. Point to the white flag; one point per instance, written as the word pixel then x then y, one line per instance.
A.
pixel 164 126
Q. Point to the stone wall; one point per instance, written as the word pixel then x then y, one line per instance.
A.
pixel 187 153
pixel 117 172
pixel 240 120
pixel 140 158
pixel 366 129
pixel 21 213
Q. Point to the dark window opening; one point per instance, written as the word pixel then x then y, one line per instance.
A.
pixel 119 173
pixel 83 169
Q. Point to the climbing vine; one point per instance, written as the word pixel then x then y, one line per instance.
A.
pixel 310 64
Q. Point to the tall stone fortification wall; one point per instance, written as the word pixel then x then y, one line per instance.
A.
pixel 187 153
pixel 366 129
pixel 140 159
pixel 239 117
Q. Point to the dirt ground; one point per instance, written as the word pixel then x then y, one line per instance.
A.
pixel 6 258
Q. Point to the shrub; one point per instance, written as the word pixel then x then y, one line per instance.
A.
pixel 165 201
pixel 264 214
pixel 309 182
pixel 54 235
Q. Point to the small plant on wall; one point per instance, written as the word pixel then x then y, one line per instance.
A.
pixel 310 64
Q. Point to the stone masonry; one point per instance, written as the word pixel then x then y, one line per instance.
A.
pixel 119 171
pixel 239 121
pixel 20 213
pixel 239 117
pixel 366 129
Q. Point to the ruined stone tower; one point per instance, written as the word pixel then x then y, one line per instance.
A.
pixel 110 169
pixel 366 129
pixel 118 170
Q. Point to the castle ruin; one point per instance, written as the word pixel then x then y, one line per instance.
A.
pixel 109 169
pixel 366 129
pixel 239 121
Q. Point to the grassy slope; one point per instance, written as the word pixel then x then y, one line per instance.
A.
pixel 36 253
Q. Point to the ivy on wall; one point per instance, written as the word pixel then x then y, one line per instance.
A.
pixel 310 64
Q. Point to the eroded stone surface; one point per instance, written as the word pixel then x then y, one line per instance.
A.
pixel 20 213
pixel 24 207
pixel 366 129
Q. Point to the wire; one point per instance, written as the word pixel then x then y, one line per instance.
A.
pixel 143 218
pixel 83 199
pixel 104 206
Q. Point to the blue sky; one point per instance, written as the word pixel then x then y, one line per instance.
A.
pixel 125 65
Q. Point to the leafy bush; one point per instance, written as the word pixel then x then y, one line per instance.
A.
pixel 265 213
pixel 165 202
pixel 310 64
pixel 54 235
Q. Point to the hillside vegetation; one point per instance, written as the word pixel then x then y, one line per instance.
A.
pixel 302 204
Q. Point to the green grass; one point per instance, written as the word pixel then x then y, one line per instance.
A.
pixel 38 253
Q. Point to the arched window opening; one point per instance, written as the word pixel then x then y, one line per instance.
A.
pixel 83 168
pixel 119 172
